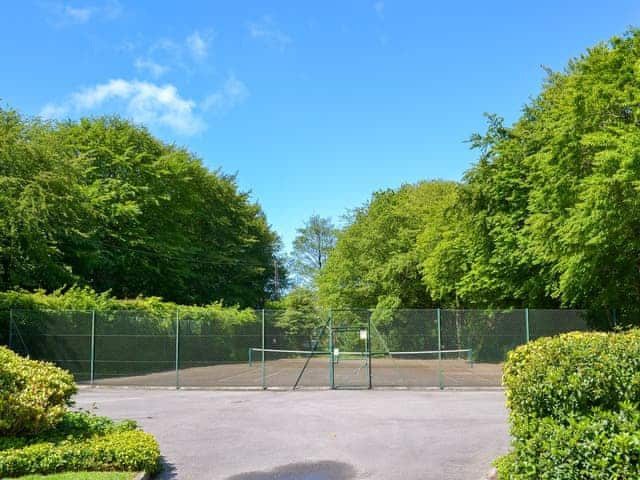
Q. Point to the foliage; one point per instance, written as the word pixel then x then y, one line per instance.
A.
pixel 604 445
pixel 131 450
pixel 72 426
pixel 376 258
pixel 311 248
pixel 33 395
pixel 572 374
pixel 102 203
pixel 550 213
pixel 82 476
pixel 573 403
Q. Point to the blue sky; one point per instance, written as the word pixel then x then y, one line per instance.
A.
pixel 315 105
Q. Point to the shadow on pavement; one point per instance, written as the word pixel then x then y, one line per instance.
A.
pixel 325 470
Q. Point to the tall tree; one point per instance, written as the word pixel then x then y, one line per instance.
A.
pixel 376 260
pixel 311 248
pixel 101 202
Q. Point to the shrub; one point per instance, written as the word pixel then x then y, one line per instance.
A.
pixel 131 450
pixel 572 374
pixel 72 426
pixel 604 445
pixel 573 403
pixel 33 395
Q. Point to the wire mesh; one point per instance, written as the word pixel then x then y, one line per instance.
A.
pixel 134 348
pixel 283 348
pixel 62 337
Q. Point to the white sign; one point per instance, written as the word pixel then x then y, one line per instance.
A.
pixel 336 352
pixel 363 334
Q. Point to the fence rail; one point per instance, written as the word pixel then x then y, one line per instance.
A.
pixel 282 348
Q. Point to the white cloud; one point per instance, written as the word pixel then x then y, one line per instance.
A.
pixel 146 65
pixel 232 93
pixel 267 31
pixel 198 45
pixel 144 102
pixel 379 8
pixel 63 14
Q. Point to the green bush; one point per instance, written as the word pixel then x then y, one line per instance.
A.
pixel 33 395
pixel 602 446
pixel 573 403
pixel 571 374
pixel 131 450
pixel 72 426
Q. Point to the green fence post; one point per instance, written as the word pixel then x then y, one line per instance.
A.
pixel 331 367
pixel 263 365
pixel 177 348
pixel 250 357
pixel 93 347
pixel 368 344
pixel 440 379
pixel 526 325
pixel 11 328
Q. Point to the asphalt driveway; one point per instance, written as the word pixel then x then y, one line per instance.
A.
pixel 315 434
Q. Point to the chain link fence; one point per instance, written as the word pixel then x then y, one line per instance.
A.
pixel 283 348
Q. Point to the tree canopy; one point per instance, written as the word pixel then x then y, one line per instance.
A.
pixel 102 203
pixel 311 248
pixel 549 216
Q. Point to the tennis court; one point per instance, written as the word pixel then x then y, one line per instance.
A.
pixel 284 349
pixel 315 434
pixel 315 372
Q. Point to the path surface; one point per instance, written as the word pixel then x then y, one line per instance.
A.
pixel 315 435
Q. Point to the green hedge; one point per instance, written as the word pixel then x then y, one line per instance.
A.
pixel 33 395
pixel 73 426
pixel 604 446
pixel 131 450
pixel 572 374
pixel 80 441
pixel 573 403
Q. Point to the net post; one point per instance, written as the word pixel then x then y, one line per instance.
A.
pixel 177 348
pixel 11 328
pixel 92 360
pixel 250 357
pixel 263 366
pixel 471 357
pixel 331 366
pixel 526 324
pixel 440 379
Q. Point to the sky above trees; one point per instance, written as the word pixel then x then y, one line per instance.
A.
pixel 314 105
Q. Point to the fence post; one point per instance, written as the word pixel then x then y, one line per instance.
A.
pixel 368 343
pixel 526 325
pixel 440 379
pixel 93 347
pixel 331 372
pixel 11 328
pixel 263 365
pixel 177 348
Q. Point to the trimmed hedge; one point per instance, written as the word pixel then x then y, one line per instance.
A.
pixel 573 403
pixel 573 374
pixel 33 395
pixel 73 426
pixel 602 446
pixel 131 450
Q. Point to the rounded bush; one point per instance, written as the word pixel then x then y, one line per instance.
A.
pixel 601 446
pixel 33 395
pixel 572 374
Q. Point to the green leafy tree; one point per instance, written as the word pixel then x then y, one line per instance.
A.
pixel 311 248
pixel 376 258
pixel 101 202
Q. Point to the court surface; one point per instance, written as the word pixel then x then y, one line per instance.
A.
pixel 284 372
pixel 315 434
